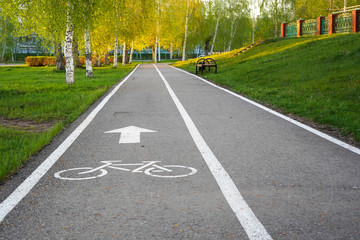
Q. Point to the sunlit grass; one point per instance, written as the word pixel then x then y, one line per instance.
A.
pixel 317 78
pixel 40 95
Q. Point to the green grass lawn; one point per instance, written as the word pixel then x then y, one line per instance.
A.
pixel 317 78
pixel 36 104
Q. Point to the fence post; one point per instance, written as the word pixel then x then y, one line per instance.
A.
pixel 355 20
pixel 332 18
pixel 319 25
pixel 300 23
pixel 283 29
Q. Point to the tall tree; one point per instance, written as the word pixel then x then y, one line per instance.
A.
pixel 69 44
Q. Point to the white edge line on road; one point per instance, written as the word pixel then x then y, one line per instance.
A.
pixel 310 129
pixel 21 191
pixel 252 226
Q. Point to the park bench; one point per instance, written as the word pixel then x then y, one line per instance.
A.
pixel 204 63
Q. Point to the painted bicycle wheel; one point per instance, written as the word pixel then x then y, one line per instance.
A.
pixel 75 174
pixel 176 171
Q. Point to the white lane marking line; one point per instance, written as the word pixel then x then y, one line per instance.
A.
pixel 21 191
pixel 130 134
pixel 252 226
pixel 299 124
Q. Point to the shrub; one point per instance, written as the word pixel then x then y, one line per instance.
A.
pixel 82 60
pixel 35 61
pixel 50 61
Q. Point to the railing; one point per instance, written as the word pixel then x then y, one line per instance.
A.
pixel 291 30
pixel 325 25
pixel 343 23
pixel 309 27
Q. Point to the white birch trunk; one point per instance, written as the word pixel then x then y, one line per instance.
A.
pixel 171 52
pixel 115 52
pixel 159 53
pixel 68 45
pixel 4 49
pixel 156 44
pixel 4 45
pixel 186 31
pixel 89 69
pixel 216 30
pixel 131 52
pixel 124 54
pixel 232 34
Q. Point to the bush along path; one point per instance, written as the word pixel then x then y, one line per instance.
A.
pixel 314 79
pixel 36 104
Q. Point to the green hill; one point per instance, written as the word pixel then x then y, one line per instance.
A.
pixel 315 78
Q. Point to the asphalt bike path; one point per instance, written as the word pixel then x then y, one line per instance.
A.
pixel 122 204
pixel 300 185
pixel 237 173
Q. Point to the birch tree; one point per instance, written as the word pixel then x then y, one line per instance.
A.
pixel 218 13
pixel 69 44
pixel 87 40
pixel 186 29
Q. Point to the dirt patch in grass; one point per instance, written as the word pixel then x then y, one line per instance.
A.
pixel 26 125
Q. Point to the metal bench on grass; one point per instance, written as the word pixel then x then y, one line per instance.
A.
pixel 204 63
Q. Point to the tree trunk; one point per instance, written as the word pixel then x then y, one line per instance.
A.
pixel 159 52
pixel 207 45
pixel 75 51
pixel 124 54
pixel 131 52
pixel 4 45
pixel 106 59
pixel 97 62
pixel 68 45
pixel 115 52
pixel 216 30
pixel 60 66
pixel 171 52
pixel 232 34
pixel 87 38
pixel 127 55
pixel 153 53
pixel 186 31
pixel 89 69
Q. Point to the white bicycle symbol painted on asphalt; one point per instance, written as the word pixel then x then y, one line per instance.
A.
pixel 151 168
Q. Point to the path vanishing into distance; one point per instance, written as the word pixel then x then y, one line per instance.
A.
pixel 166 155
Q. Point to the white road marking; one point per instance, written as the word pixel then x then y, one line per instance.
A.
pixel 310 129
pixel 130 134
pixel 252 226
pixel 20 192
pixel 151 168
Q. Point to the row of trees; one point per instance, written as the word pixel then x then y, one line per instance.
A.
pixel 96 27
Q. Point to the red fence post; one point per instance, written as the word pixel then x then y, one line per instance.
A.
pixel 355 20
pixel 332 18
pixel 319 25
pixel 283 30
pixel 299 27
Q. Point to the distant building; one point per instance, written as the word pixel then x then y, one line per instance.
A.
pixel 29 45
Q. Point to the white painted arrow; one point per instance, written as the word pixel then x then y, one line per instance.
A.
pixel 130 134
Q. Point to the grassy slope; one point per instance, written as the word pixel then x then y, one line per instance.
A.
pixel 41 95
pixel 317 78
